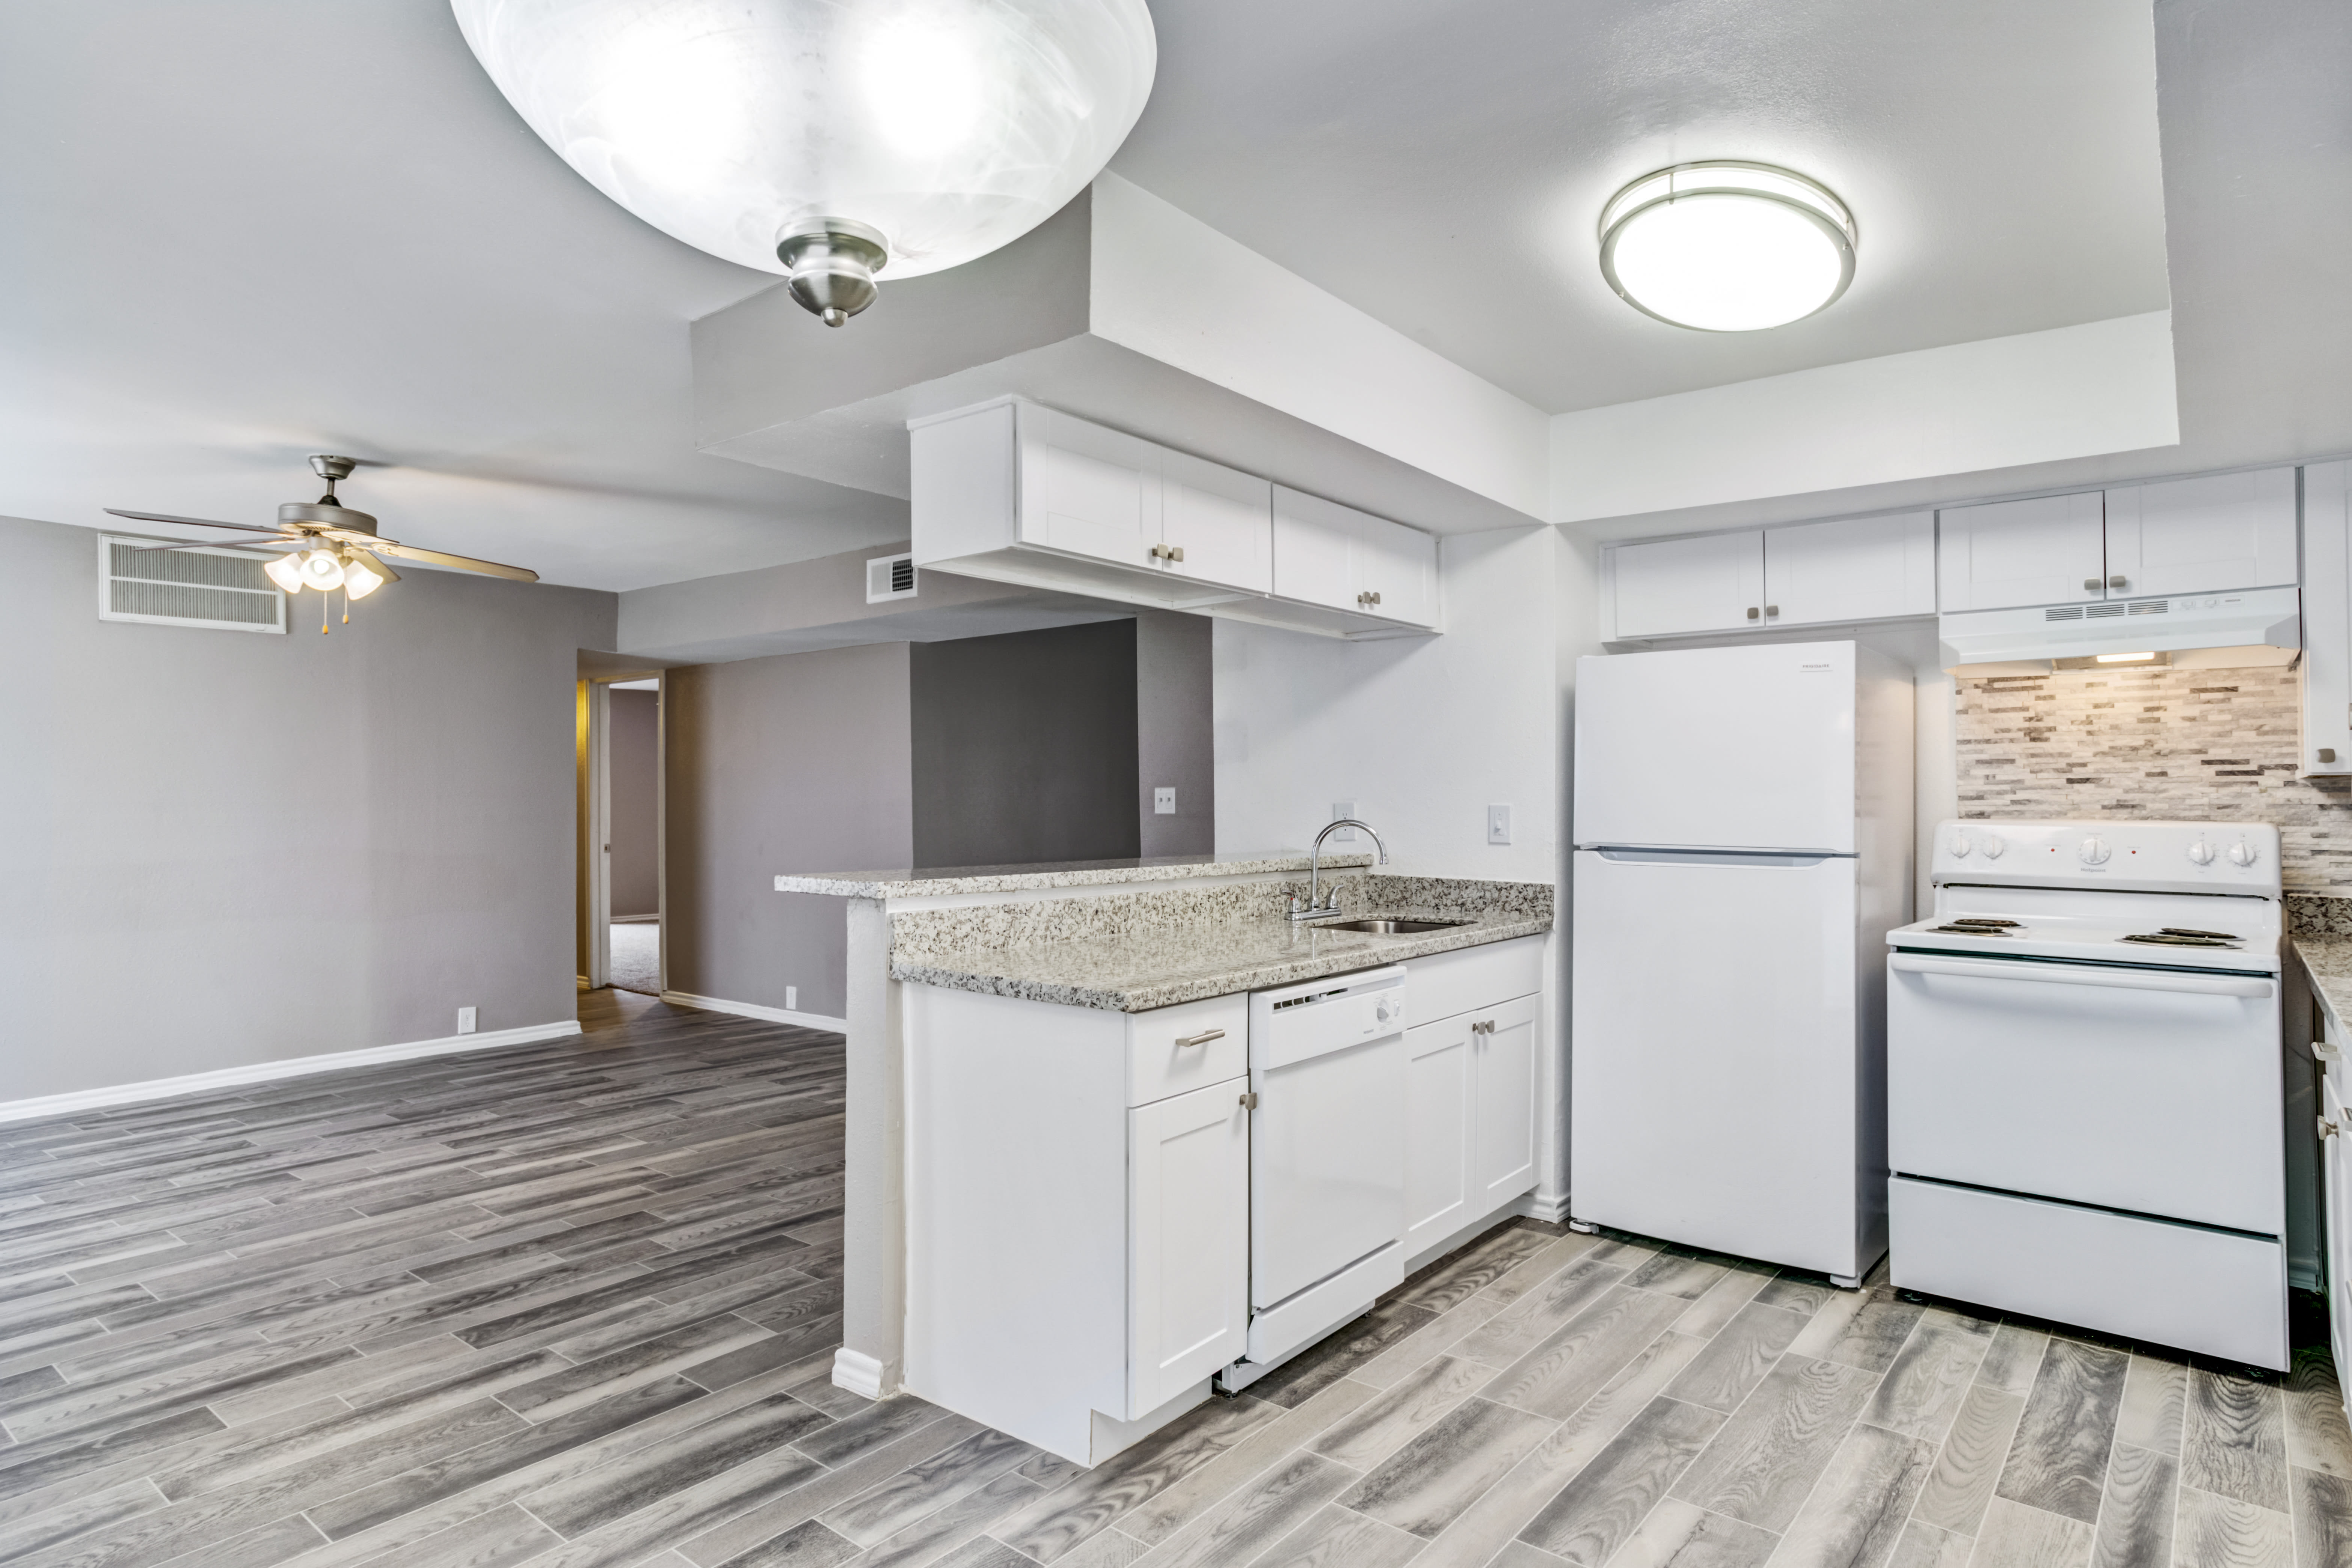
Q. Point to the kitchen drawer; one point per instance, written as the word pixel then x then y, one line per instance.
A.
pixel 1470 977
pixel 1158 1066
pixel 2218 1292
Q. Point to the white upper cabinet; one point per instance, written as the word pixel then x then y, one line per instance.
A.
pixel 1860 569
pixel 2201 535
pixel 1089 490
pixel 1712 584
pixel 1021 493
pixel 1342 559
pixel 2051 550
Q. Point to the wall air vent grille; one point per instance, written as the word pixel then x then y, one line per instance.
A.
pixel 889 577
pixel 217 589
pixel 2102 612
pixel 2063 613
pixel 2151 606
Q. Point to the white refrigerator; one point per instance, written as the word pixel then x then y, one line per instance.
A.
pixel 1742 823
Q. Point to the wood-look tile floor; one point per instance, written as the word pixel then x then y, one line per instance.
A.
pixel 574 1304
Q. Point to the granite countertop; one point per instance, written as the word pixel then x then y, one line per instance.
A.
pixel 1134 973
pixel 905 883
pixel 2328 961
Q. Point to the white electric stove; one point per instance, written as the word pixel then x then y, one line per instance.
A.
pixel 2085 1112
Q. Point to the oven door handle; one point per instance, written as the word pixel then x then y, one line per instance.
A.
pixel 1996 968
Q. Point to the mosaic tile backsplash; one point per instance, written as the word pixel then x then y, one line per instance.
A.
pixel 2188 745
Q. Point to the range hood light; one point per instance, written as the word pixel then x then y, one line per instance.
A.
pixel 2124 657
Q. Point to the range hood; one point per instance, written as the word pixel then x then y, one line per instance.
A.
pixel 2251 626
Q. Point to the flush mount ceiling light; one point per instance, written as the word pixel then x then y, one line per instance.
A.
pixel 1726 247
pixel 826 139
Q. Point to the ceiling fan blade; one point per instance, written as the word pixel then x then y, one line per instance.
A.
pixel 372 559
pixel 199 522
pixel 290 540
pixel 462 562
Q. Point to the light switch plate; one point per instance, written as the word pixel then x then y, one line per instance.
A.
pixel 792 998
pixel 1164 800
pixel 1340 808
pixel 1498 824
pixel 465 1020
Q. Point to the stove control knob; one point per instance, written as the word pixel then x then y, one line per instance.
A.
pixel 1992 846
pixel 2243 854
pixel 2094 852
pixel 1958 845
pixel 2201 853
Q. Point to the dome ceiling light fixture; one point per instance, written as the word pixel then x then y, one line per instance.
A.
pixel 1726 247
pixel 826 140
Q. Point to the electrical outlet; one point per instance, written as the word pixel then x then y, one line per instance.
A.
pixel 792 998
pixel 1340 808
pixel 1498 824
pixel 465 1020
pixel 1164 800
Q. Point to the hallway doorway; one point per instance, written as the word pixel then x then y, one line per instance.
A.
pixel 619 903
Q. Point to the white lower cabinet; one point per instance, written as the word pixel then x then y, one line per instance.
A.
pixel 2335 1185
pixel 1188 1281
pixel 1471 1079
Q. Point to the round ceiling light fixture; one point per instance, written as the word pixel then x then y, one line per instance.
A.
pixel 826 139
pixel 1726 247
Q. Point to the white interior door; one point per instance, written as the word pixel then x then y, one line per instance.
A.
pixel 1222 519
pixel 1722 748
pixel 1437 1131
pixel 1188 1240
pixel 1712 584
pixel 2202 535
pixel 1502 1103
pixel 1713 1093
pixel 1860 569
pixel 2048 550
pixel 1087 489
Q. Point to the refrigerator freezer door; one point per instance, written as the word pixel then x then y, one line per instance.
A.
pixel 1734 748
pixel 1714 1084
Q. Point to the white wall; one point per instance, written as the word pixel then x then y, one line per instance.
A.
pixel 1421 733
pixel 2036 397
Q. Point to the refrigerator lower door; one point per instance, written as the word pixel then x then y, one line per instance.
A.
pixel 1719 1066
pixel 1731 748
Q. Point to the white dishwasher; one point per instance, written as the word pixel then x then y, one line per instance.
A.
pixel 1327 1157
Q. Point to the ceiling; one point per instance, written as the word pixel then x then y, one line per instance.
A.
pixel 240 232
pixel 1442 165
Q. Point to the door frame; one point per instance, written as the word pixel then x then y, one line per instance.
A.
pixel 592 840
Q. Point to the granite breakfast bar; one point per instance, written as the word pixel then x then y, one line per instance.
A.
pixel 1121 937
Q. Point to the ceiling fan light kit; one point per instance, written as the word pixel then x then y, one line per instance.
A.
pixel 334 547
pixel 1727 246
pixel 826 139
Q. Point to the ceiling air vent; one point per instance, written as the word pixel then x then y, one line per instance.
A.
pixel 889 577
pixel 224 590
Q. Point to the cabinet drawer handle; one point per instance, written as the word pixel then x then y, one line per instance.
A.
pixel 1203 1039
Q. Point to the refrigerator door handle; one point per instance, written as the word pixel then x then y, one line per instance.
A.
pixel 1752 858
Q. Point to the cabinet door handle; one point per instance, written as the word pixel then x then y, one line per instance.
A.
pixel 1772 610
pixel 1753 612
pixel 2328 1129
pixel 2092 583
pixel 1249 1101
pixel 2118 581
pixel 1485 1028
pixel 1168 553
pixel 1203 1039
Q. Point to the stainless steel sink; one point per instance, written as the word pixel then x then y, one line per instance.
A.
pixel 1387 926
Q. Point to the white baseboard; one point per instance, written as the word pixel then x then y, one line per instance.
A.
pixel 754 1010
pixel 1535 1206
pixel 264 1072
pixel 863 1375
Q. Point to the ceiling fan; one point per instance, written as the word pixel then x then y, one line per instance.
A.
pixel 331 546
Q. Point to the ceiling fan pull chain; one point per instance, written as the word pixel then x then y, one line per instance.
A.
pixel 324 601
pixel 347 606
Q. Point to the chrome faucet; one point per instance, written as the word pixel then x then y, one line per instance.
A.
pixel 1315 873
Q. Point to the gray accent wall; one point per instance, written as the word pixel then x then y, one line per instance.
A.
pixel 798 763
pixel 633 758
pixel 227 849
pixel 1024 747
pixel 1175 731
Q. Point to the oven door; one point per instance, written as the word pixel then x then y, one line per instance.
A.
pixel 2145 1088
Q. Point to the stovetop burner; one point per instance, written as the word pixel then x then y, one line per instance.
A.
pixel 2171 936
pixel 1972 928
pixel 1986 921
